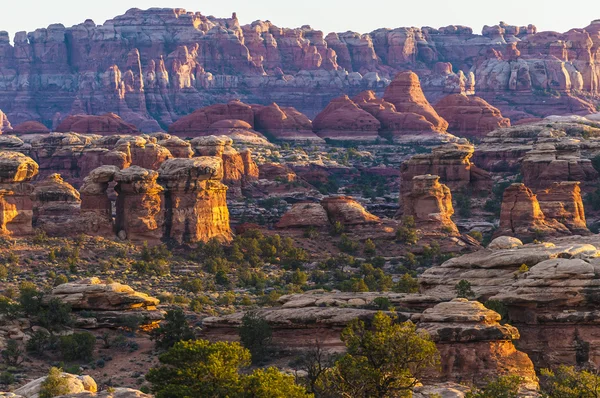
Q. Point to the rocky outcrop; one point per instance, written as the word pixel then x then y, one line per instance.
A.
pixel 548 163
pixel 30 127
pixel 108 303
pixel 106 124
pixel 429 203
pixel 56 207
pixel 196 207
pixel 283 123
pixel 549 291
pixel 333 209
pixel 199 122
pixel 474 347
pixel 16 207
pixel 113 392
pixel 96 206
pixel 239 169
pixel 522 217
pixel 4 123
pixel 76 384
pixel 470 116
pixel 405 93
pixel 140 208
pixel 562 202
pixel 177 147
pixel 343 120
pixel 452 163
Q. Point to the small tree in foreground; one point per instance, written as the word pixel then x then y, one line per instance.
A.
pixel 175 328
pixel 55 384
pixel 255 335
pixel 568 382
pixel 202 369
pixel 502 387
pixel 386 360
pixel 463 289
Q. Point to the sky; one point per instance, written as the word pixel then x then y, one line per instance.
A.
pixel 326 15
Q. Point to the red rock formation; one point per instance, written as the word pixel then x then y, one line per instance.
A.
pixel 304 214
pixel 96 207
pixel 277 172
pixel 140 207
pixel 196 209
pixel 406 95
pixel 470 116
pixel 521 216
pixel 143 153
pixel 199 122
pixel 342 119
pixel 30 127
pixel 56 207
pixel 562 202
pixel 283 123
pixel 429 203
pixel 347 211
pixel 238 168
pixel 452 162
pixel 177 147
pixel 473 344
pixel 16 207
pixel 106 124
pixel 4 123
pixel 555 162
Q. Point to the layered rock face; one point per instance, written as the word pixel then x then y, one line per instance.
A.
pixel 562 202
pixel 239 169
pixel 195 200
pixel 56 207
pixel 108 302
pixel 552 302
pixel 429 203
pixel 342 209
pixel 521 215
pixel 16 207
pixel 548 163
pixel 470 116
pixel 96 206
pixel 474 347
pixel 187 61
pixel 140 209
pixel 452 162
pixel 106 124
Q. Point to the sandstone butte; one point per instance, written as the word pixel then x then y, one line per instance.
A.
pixel 470 116
pixel 154 80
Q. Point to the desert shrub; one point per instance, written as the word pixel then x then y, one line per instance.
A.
pixel 502 387
pixel 255 335
pixel 407 284
pixel 463 289
pixel 12 353
pixel 54 385
pixel 77 346
pixel 173 329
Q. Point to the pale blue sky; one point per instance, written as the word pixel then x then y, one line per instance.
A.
pixel 327 15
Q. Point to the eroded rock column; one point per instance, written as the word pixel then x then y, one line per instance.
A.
pixel 16 207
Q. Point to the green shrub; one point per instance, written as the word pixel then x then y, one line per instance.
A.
pixel 173 329
pixel 255 335
pixel 54 385
pixel 77 346
pixel 463 289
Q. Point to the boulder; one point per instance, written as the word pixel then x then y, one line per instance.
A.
pixel 505 242
pixel 30 127
pixel 347 211
pixel 304 214
pixel 76 384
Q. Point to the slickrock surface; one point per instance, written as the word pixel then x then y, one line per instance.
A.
pixel 471 341
pixel 470 116
pixel 521 215
pixel 430 205
pixel 108 123
pixel 452 163
pixel 76 384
